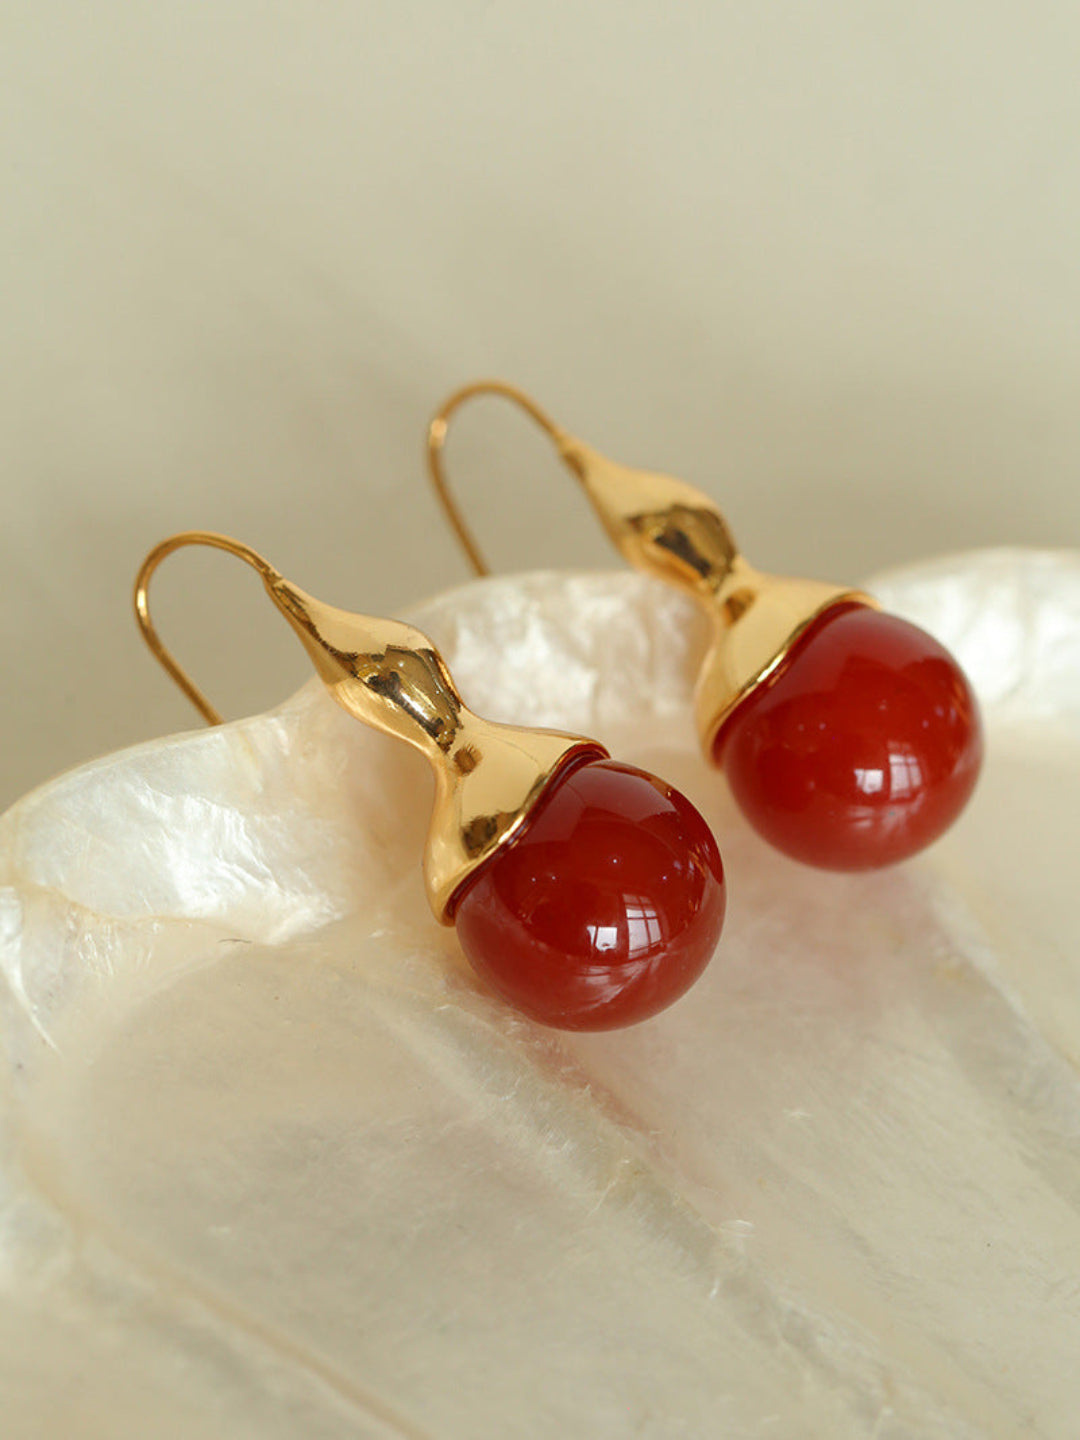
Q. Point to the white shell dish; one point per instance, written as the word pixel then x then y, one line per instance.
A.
pixel 272 1164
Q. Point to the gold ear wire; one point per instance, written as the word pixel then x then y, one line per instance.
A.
pixel 390 676
pixel 660 524
pixel 436 440
pixel 669 529
pixel 161 653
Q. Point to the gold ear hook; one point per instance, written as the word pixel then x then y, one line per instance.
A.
pixel 436 440
pixel 672 531
pixel 660 524
pixel 142 604
pixel 390 676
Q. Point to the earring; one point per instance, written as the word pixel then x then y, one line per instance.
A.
pixel 588 893
pixel 850 738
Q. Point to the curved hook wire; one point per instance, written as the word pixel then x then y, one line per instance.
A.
pixel 142 604
pixel 436 439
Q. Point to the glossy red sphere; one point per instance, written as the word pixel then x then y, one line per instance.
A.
pixel 862 750
pixel 606 906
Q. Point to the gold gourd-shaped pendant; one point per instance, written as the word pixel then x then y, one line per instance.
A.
pixel 389 675
pixel 667 528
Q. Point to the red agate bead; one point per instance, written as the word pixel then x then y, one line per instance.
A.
pixel 604 908
pixel 864 747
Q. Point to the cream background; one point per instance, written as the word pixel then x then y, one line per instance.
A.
pixel 821 259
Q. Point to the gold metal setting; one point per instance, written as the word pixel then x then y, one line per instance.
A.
pixel 668 529
pixel 389 675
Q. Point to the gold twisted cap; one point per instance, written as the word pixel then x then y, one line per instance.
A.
pixel 488 777
pixel 669 529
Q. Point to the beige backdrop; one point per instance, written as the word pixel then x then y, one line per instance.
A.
pixel 821 259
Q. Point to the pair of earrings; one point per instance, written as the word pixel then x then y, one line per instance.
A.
pixel 588 893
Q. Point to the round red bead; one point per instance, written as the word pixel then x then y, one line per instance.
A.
pixel 864 747
pixel 604 908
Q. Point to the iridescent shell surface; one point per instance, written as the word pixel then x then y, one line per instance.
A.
pixel 272 1164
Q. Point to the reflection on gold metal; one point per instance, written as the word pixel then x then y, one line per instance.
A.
pixel 488 777
pixel 668 529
